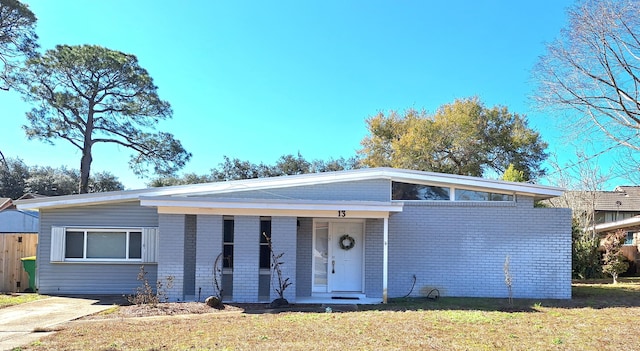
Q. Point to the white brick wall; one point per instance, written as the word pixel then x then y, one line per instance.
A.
pixel 208 247
pixel 460 249
pixel 171 253
pixel 246 246
pixel 283 239
pixel 373 257
pixel 456 247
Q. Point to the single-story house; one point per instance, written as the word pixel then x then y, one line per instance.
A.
pixel 363 235
pixel 631 247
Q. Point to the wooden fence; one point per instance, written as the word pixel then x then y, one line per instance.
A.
pixel 13 247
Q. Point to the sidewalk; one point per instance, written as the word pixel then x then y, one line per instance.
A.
pixel 18 323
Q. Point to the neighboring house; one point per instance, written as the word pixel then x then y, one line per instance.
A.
pixel 18 239
pixel 621 203
pixel 620 209
pixel 362 235
pixel 632 244
pixel 5 203
pixel 607 211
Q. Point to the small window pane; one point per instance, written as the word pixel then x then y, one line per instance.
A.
pixel 106 245
pixel 471 195
pixel 228 231
pixel 135 245
pixel 265 257
pixel 227 261
pixel 265 229
pixel 501 197
pixel 74 244
pixel 264 287
pixel 320 256
pixel 629 239
pixel 406 191
pixel 227 286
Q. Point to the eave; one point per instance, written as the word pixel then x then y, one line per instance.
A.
pixel 298 208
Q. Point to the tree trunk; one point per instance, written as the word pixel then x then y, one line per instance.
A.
pixel 85 162
pixel 85 169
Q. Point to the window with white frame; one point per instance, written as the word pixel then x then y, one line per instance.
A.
pixel 629 239
pixel 103 244
pixel 422 192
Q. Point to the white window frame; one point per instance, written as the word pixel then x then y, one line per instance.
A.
pixel 626 239
pixel 149 244
pixel 452 193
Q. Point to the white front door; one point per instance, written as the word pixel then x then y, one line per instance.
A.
pixel 346 256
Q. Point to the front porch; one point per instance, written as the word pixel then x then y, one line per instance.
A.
pixel 193 232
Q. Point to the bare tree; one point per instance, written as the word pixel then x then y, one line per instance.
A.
pixel 593 68
pixel 585 180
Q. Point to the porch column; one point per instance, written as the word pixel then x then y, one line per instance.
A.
pixel 283 240
pixel 171 229
pixel 246 253
pixel 208 247
pixel 385 258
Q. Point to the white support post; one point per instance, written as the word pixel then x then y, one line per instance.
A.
pixel 385 259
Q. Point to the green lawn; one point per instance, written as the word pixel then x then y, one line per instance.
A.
pixel 600 317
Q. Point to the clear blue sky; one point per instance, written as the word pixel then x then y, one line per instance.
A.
pixel 259 79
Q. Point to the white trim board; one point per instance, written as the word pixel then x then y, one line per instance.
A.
pixel 400 175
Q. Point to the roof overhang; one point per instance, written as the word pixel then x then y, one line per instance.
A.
pixel 254 207
pixel 623 224
pixel 538 192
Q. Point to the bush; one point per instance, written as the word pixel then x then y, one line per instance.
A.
pixel 614 261
pixel 585 258
pixel 145 294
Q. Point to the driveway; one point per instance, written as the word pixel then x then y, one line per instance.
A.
pixel 28 322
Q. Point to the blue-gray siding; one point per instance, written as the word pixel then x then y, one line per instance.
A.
pixel 368 190
pixel 86 278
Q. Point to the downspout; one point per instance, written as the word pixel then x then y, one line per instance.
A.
pixel 385 258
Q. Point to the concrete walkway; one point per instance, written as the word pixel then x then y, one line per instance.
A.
pixel 25 323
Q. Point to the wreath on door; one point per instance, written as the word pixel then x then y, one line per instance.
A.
pixel 347 242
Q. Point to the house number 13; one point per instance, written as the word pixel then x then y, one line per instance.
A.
pixel 342 213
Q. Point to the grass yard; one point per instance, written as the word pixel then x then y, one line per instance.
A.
pixel 7 300
pixel 600 317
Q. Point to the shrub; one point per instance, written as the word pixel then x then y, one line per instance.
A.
pixel 614 261
pixel 145 294
pixel 585 259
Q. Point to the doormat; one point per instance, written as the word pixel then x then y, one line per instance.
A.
pixel 344 298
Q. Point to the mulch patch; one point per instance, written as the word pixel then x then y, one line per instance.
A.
pixel 170 309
